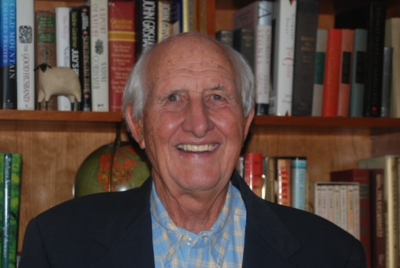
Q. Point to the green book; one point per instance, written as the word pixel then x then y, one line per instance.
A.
pixel 10 180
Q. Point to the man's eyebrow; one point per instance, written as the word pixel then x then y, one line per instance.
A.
pixel 218 87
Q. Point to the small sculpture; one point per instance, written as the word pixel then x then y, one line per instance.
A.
pixel 58 81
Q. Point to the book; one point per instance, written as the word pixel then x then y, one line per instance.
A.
pixel 164 16
pixel 332 73
pixel 99 55
pixel 8 73
pixel 206 11
pixel 392 39
pixel 75 52
pixel 270 174
pixel 258 17
pixel 243 42
pixel 358 73
pixel 225 37
pixel 299 182
pixel 254 172
pixel 370 16
pixel 378 232
pixel 10 179
pixel 63 49
pixel 189 15
pixel 284 181
pixel 345 72
pixel 25 55
pixel 387 81
pixel 363 177
pixel 121 42
pixel 284 25
pixel 304 56
pixel 390 166
pixel 45 50
pixel 320 55
pixel 86 104
pixel 146 24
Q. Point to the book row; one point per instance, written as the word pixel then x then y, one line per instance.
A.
pixel 99 41
pixel 10 192
pixel 302 70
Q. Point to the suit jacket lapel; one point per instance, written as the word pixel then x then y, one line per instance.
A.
pixel 265 229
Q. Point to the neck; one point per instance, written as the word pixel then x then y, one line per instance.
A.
pixel 195 212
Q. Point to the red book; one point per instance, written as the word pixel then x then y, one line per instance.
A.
pixel 284 181
pixel 362 176
pixel 121 37
pixel 254 170
pixel 332 73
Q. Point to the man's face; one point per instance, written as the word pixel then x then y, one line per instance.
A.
pixel 193 126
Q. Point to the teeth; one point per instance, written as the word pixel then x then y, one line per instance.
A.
pixel 197 148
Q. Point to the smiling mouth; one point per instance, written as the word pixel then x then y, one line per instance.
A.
pixel 197 148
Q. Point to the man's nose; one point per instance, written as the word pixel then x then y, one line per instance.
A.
pixel 198 119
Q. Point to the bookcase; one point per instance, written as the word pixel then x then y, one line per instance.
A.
pixel 54 144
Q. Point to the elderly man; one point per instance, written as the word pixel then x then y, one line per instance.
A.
pixel 189 103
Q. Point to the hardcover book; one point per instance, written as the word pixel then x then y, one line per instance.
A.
pixel 75 40
pixel 389 163
pixel 121 38
pixel 86 104
pixel 25 55
pixel 146 24
pixel 299 182
pixel 63 49
pixel 332 73
pixel 370 16
pixel 8 72
pixel 358 73
pixel 304 56
pixel 254 172
pixel 387 81
pixel 45 49
pixel 99 55
pixel 243 42
pixel 225 37
pixel 284 25
pixel 284 181
pixel 164 17
pixel 258 16
pixel 320 55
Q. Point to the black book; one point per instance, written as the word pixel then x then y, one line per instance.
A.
pixel 146 24
pixel 304 56
pixel 75 44
pixel 243 42
pixel 370 16
pixel 84 72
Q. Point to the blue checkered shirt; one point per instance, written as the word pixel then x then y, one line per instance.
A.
pixel 222 246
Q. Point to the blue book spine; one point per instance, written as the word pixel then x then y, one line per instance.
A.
pixel 8 20
pixel 299 182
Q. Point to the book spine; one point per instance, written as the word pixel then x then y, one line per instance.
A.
pixel 299 183
pixel 393 39
pixel 85 56
pixel 345 72
pixel 164 15
pixel 320 56
pixel 386 81
pixel 225 37
pixel 270 174
pixel 243 42
pixel 253 170
pixel 99 55
pixel 353 223
pixel 45 50
pixel 330 203
pixel 121 38
pixel 284 183
pixel 280 101
pixel 378 232
pixel 304 57
pixel 2 207
pixel 25 55
pixel 8 72
pixel 343 207
pixel 146 24
pixel 358 73
pixel 75 45
pixel 332 73
pixel 63 49
pixel 189 15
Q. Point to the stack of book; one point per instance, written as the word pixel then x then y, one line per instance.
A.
pixel 10 191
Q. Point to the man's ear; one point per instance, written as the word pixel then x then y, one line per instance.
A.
pixel 248 121
pixel 135 126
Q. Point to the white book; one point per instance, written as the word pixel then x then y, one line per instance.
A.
pixel 318 90
pixel 62 49
pixel 258 16
pixel 25 55
pixel 99 55
pixel 284 21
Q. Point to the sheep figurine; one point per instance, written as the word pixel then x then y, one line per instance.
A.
pixel 58 81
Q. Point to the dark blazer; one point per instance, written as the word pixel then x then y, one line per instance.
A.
pixel 114 230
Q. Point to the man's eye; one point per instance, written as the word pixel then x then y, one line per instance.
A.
pixel 217 97
pixel 173 98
